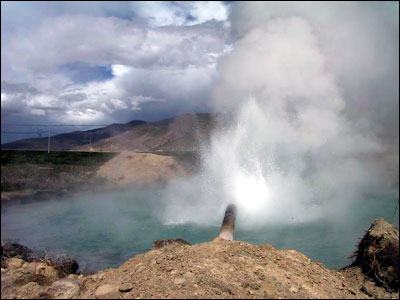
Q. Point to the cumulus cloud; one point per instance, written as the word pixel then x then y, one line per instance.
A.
pixel 94 62
pixel 69 39
pixel 15 96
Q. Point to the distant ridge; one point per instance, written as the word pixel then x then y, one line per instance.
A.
pixel 181 133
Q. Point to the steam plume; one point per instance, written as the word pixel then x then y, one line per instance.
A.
pixel 292 149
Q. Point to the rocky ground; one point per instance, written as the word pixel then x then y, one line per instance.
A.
pixel 218 269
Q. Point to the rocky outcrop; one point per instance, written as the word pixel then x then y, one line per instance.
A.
pixel 14 252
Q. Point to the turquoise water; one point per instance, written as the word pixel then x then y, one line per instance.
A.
pixel 104 230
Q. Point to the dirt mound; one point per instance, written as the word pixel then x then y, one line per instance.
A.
pixel 378 253
pixel 220 269
pixel 141 169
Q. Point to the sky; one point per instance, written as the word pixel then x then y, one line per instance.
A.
pixel 107 62
pixel 112 62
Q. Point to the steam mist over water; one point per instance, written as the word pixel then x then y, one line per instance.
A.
pixel 291 150
pixel 103 230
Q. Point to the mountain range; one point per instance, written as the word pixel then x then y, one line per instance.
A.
pixel 181 133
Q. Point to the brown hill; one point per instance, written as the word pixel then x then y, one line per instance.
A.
pixel 182 133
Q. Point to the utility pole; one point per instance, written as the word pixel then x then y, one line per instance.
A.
pixel 48 144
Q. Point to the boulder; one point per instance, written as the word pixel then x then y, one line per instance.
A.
pixel 14 263
pixel 31 290
pixel 107 291
pixel 47 271
pixel 125 287
pixel 67 288
pixel 29 267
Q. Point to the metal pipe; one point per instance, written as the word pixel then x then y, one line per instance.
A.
pixel 228 224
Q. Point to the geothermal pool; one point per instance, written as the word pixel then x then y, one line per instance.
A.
pixel 104 230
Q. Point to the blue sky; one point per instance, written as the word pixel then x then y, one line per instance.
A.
pixel 106 62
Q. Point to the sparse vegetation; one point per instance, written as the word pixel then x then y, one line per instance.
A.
pixel 42 171
pixel 55 158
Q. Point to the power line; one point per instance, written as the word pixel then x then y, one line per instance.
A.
pixel 49 125
pixel 18 132
pixel 39 132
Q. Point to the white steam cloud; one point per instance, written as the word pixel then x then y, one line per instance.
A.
pixel 291 151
